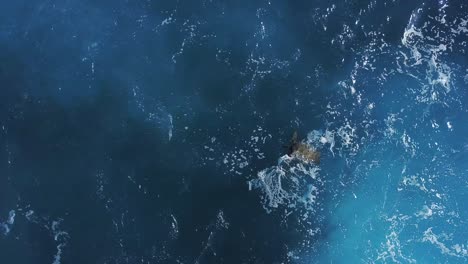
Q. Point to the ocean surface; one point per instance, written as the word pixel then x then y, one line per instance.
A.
pixel 140 131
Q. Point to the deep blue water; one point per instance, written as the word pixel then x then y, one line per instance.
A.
pixel 153 131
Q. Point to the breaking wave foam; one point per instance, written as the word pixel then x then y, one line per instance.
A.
pixel 292 184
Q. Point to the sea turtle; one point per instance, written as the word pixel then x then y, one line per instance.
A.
pixel 302 150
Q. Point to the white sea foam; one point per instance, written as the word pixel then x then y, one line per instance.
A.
pixel 171 126
pixel 61 238
pixel 425 213
pixel 438 241
pixel 291 184
pixel 449 125
pixel 174 227
pixel 11 217
pixel 9 222
pixel 392 249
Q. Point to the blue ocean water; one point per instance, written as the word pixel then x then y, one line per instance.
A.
pixel 154 131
